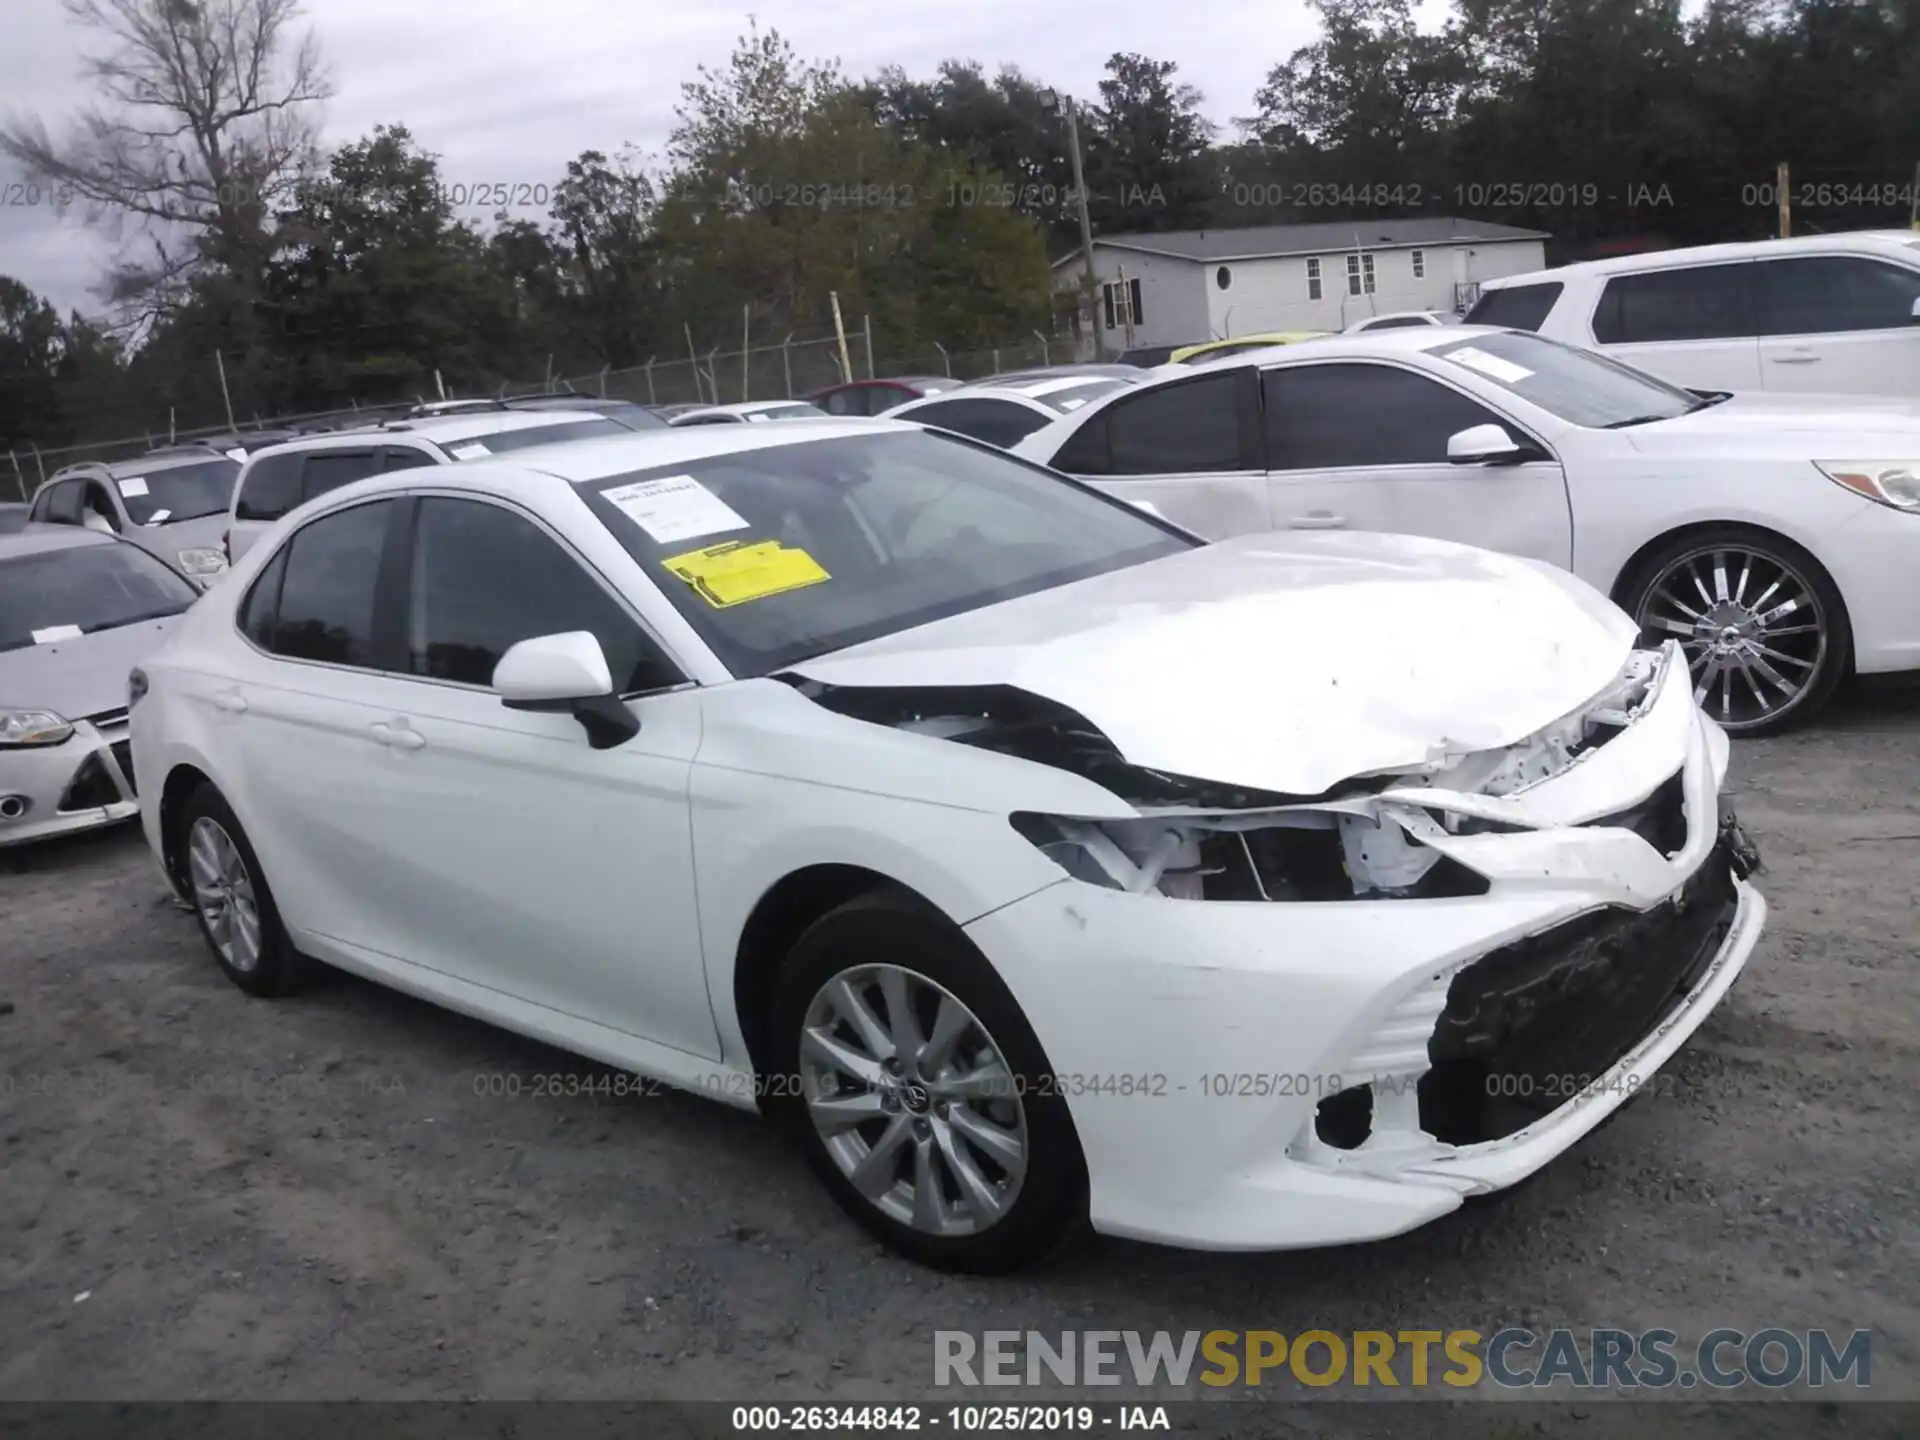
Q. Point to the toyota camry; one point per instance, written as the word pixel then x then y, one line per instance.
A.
pixel 1028 860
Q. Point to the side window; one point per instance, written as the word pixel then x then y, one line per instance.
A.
pixel 838 402
pixel 1824 294
pixel 882 398
pixel 262 605
pixel 1085 452
pixel 405 457
pixel 64 502
pixel 330 469
pixel 327 595
pixel 1516 307
pixel 484 578
pixel 1700 302
pixel 270 488
pixel 997 422
pixel 1192 427
pixel 99 512
pixel 1324 417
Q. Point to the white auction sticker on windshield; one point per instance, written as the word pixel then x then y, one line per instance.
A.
pixel 1504 371
pixel 472 450
pixel 677 507
pixel 133 485
pixel 56 632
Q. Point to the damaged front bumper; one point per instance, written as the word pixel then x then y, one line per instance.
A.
pixel 1258 1075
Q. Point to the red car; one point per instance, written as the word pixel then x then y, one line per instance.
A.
pixel 872 397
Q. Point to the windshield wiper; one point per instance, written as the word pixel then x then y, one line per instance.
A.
pixel 1637 420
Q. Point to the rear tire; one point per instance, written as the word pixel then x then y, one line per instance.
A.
pixel 904 1070
pixel 231 899
pixel 1763 625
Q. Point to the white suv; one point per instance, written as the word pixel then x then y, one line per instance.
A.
pixel 1833 313
pixel 284 477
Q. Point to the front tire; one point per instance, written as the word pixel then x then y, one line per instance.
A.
pixel 230 898
pixel 918 1092
pixel 1762 624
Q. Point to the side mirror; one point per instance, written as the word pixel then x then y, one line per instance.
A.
pixel 1484 445
pixel 568 674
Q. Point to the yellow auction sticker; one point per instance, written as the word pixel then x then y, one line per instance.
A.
pixel 736 572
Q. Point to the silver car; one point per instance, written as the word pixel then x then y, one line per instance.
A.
pixel 78 611
pixel 173 504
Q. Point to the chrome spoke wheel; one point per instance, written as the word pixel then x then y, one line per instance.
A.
pixel 1753 628
pixel 223 893
pixel 913 1100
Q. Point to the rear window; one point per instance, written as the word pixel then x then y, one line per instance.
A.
pixel 1516 307
pixel 499 442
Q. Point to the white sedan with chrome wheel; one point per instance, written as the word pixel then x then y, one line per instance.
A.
pixel 1030 861
pixel 1774 536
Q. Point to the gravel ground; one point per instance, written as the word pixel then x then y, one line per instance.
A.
pixel 206 1196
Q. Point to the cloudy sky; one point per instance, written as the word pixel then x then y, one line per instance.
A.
pixel 507 91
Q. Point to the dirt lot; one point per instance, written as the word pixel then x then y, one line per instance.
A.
pixel 209 1196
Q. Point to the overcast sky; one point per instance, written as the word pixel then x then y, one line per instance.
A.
pixel 510 90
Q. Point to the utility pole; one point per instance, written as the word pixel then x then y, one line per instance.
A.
pixel 1913 208
pixel 1782 188
pixel 1092 281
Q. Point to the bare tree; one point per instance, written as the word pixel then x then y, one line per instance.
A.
pixel 203 122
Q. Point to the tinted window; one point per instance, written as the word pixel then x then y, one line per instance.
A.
pixel 63 503
pixel 485 579
pixel 1515 307
pixel 709 420
pixel 1701 302
pixel 326 599
pixel 330 469
pixel 258 610
pixel 271 488
pixel 184 492
pixel 881 398
pixel 405 457
pixel 842 402
pixel 824 543
pixel 94 587
pixel 998 422
pixel 1825 293
pixel 1189 428
pixel 1325 416
pixel 100 504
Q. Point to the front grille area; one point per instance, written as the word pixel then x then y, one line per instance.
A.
pixel 91 786
pixel 108 717
pixel 1660 819
pixel 1528 1025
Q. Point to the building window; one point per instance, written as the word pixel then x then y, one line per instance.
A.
pixel 1121 303
pixel 1419 264
pixel 1223 277
pixel 1360 274
pixel 1134 311
pixel 1313 278
pixel 1106 300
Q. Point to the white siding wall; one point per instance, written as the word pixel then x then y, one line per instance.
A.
pixel 1173 307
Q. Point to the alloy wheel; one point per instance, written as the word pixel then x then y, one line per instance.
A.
pixel 913 1100
pixel 1753 628
pixel 223 893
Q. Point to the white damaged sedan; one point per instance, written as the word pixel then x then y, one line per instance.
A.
pixel 1030 861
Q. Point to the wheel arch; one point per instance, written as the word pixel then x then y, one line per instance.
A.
pixel 182 780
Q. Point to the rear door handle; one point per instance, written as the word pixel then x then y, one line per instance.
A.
pixel 398 736
pixel 1796 357
pixel 231 701
pixel 1317 520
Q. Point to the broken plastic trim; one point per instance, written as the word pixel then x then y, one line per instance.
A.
pixel 1289 855
pixel 1010 721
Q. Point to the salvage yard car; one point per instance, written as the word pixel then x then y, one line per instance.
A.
pixel 77 610
pixel 1774 536
pixel 1014 849
pixel 174 505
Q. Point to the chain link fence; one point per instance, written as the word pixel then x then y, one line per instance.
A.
pixel 790 370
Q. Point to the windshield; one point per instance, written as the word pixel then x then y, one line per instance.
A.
pixel 790 551
pixel 183 492
pixel 1577 385
pixel 56 594
pixel 498 442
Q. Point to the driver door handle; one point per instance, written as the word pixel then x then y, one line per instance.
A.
pixel 231 701
pixel 1796 357
pixel 1317 520
pixel 398 735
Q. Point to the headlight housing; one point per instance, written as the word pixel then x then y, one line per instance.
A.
pixel 33 727
pixel 1268 855
pixel 1890 482
pixel 202 565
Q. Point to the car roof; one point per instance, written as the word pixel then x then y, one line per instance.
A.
pixel 37 538
pixel 1863 242
pixel 595 459
pixel 139 465
pixel 1410 339
pixel 749 407
pixel 441 429
pixel 1018 394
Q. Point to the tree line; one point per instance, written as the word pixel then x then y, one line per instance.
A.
pixel 933 205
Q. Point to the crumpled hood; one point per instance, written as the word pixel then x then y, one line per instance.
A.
pixel 78 678
pixel 1280 662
